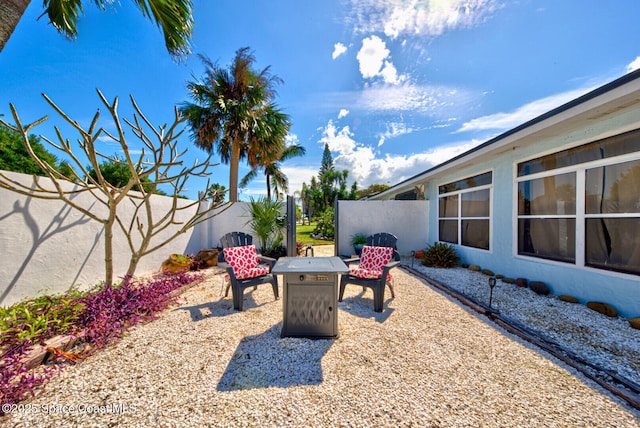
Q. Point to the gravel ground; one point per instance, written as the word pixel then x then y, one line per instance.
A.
pixel 425 361
pixel 607 342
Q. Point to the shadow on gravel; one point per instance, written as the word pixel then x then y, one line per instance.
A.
pixel 220 308
pixel 266 360
pixel 362 306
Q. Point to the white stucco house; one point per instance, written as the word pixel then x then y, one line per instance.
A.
pixel 556 199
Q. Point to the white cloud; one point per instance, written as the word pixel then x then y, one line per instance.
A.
pixel 393 130
pixel 291 139
pixel 522 114
pixel 373 61
pixel 338 49
pixel 297 176
pixel 366 168
pixel 433 100
pixel 343 113
pixel 634 65
pixel 419 17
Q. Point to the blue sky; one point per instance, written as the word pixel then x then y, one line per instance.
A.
pixel 394 87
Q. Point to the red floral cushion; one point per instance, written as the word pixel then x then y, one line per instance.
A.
pixel 374 258
pixel 250 273
pixel 372 261
pixel 244 261
pixel 240 258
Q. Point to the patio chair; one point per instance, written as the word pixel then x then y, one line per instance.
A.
pixel 234 239
pixel 244 270
pixel 372 271
pixel 384 239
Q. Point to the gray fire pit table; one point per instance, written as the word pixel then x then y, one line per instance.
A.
pixel 310 302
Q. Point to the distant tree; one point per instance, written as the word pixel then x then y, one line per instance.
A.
pixel 232 113
pixel 216 193
pixel 270 164
pixel 164 168
pixel 117 173
pixel 15 157
pixel 327 160
pixel 173 17
pixel 371 190
pixel 330 184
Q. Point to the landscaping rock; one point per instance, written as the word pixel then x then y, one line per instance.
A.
pixel 569 299
pixel 474 268
pixel 487 272
pixel 635 323
pixel 521 282
pixel 508 280
pixel 603 308
pixel 539 288
pixel 499 276
pixel 210 257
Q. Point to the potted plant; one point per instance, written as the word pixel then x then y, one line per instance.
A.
pixel 177 263
pixel 358 241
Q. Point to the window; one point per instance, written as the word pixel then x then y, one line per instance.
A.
pixel 464 208
pixel 581 206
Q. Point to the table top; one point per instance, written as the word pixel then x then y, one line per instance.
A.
pixel 309 265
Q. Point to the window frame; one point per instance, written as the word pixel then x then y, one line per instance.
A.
pixel 580 170
pixel 459 218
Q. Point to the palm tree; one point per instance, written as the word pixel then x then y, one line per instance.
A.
pixel 270 163
pixel 232 113
pixel 173 17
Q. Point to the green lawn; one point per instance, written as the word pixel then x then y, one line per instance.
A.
pixel 303 235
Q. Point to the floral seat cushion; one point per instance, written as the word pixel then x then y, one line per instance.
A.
pixel 372 261
pixel 244 261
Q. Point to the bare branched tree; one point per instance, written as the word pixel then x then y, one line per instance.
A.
pixel 164 167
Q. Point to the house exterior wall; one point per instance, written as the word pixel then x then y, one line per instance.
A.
pixel 587 284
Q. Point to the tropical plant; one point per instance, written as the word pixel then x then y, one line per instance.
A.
pixel 441 255
pixel 267 221
pixel 325 226
pixel 165 168
pixel 101 315
pixel 232 113
pixel 270 163
pixel 329 185
pixel 173 17
pixel 359 239
pixel 216 193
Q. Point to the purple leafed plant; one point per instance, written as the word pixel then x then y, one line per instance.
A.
pixel 103 316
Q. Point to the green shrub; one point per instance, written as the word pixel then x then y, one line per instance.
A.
pixel 325 225
pixel 440 255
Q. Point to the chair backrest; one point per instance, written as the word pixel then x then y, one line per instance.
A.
pixel 384 239
pixel 374 258
pixel 236 239
pixel 242 257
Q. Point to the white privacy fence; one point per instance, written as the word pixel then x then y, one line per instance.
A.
pixel 48 247
pixel 408 220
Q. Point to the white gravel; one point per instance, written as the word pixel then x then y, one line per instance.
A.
pixel 606 342
pixel 425 361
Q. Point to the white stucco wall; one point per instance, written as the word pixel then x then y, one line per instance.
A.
pixel 232 219
pixel 408 220
pixel 48 247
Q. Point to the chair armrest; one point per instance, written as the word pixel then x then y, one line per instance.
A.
pixel 388 267
pixel 351 260
pixel 229 269
pixel 270 261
